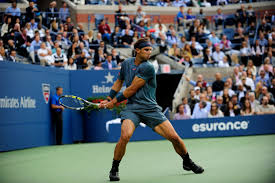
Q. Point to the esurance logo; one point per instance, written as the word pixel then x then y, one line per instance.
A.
pixel 103 88
pixel 220 126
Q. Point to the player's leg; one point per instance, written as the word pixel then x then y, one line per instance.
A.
pixel 166 130
pixel 127 130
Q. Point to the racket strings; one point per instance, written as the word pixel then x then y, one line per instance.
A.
pixel 72 102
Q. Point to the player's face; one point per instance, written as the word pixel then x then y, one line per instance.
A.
pixel 145 52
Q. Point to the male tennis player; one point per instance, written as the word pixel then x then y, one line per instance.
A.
pixel 140 78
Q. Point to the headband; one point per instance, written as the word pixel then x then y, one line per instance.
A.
pixel 144 44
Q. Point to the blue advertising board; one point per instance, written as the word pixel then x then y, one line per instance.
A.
pixel 202 128
pixel 25 119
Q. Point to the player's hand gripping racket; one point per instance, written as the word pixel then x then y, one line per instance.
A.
pixel 75 103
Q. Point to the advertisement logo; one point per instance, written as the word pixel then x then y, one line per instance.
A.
pixel 46 92
pixel 220 126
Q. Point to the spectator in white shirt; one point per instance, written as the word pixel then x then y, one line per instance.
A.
pixel 45 55
pixel 224 62
pixel 215 112
pixel 218 55
pixel 248 81
pixel 60 59
pixel 201 112
pixel 70 65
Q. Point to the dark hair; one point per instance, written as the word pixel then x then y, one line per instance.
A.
pixel 139 41
pixel 177 110
pixel 57 88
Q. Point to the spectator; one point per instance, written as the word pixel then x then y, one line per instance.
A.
pixel 121 18
pixel 225 44
pixel 178 3
pixel 13 11
pixel 127 40
pixel 267 67
pixel 6 28
pixel 230 111
pixel 45 55
pixel 99 56
pixel 180 17
pixel 218 84
pixel 109 63
pixel 188 17
pixel 251 66
pixel 224 62
pixel 140 15
pixel 253 102
pixel 221 2
pixel 70 65
pixel 201 112
pixel 82 62
pixel 241 15
pixel 69 24
pixel 57 118
pixel 105 31
pixel 13 56
pixel 213 38
pixel 247 82
pixel 208 59
pixel 51 13
pixel 172 39
pixel 202 98
pixel 219 18
pixel 64 12
pixel 218 55
pixel 35 45
pixel 262 78
pixel 60 59
pixel 221 105
pixel 236 105
pixel 245 53
pixel 187 109
pixel 181 113
pixel 265 108
pixel 115 37
pixel 251 30
pixel 174 51
pixel 264 27
pixel 262 40
pixel 214 111
pixel 116 57
pixel 271 89
pixel 257 52
pixel 199 79
pixel 251 17
pixel 192 100
pixel 265 92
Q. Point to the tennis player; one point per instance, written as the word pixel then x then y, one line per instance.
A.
pixel 140 78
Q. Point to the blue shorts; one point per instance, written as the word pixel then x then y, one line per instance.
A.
pixel 151 118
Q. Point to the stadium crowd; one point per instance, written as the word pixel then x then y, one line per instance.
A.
pixel 52 39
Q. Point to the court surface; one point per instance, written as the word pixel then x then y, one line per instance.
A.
pixel 232 159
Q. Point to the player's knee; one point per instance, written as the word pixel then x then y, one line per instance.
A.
pixel 125 137
pixel 175 139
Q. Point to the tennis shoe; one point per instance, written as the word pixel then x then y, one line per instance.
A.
pixel 190 165
pixel 114 176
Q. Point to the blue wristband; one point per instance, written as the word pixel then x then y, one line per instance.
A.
pixel 121 97
pixel 112 93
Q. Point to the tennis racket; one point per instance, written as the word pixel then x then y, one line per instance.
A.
pixel 75 103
